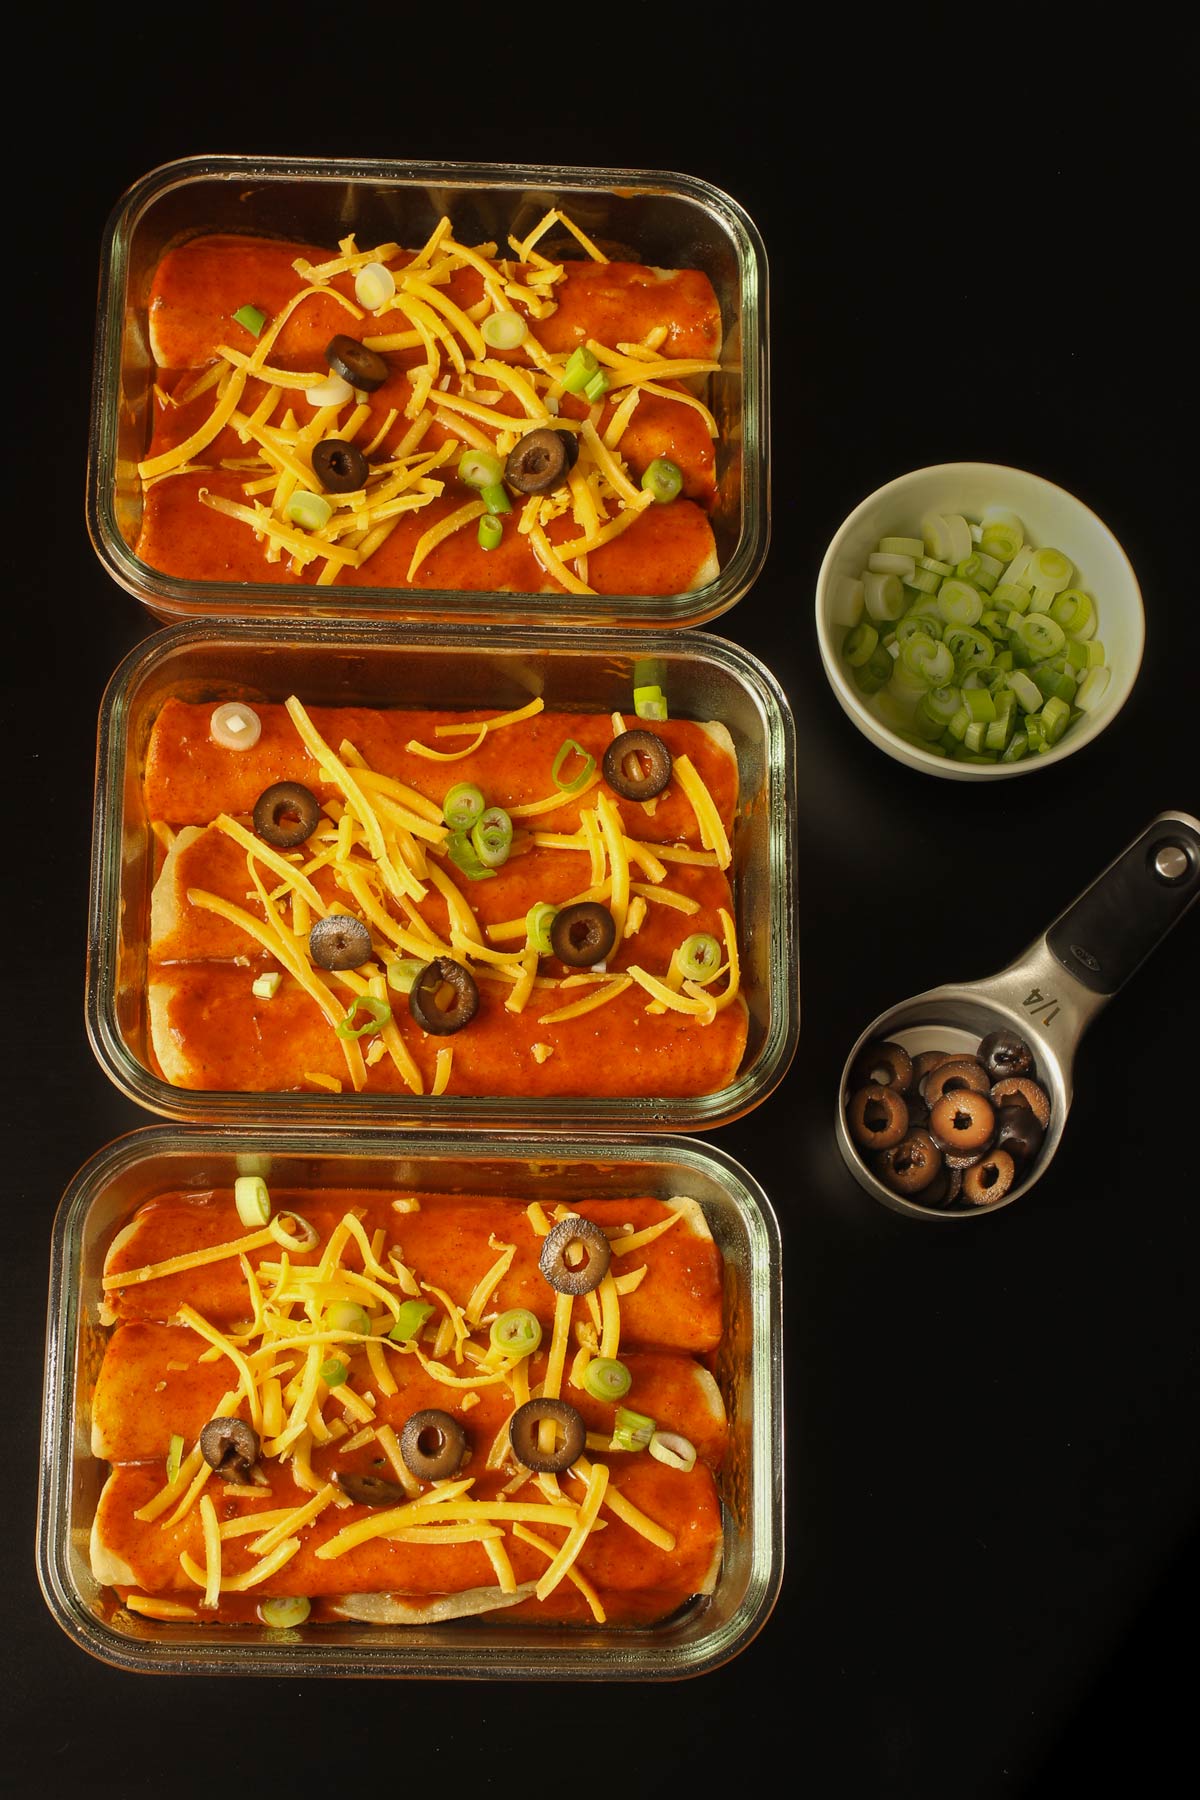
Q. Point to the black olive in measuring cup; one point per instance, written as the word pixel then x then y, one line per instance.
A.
pixel 339 467
pixel 575 1255
pixel 539 461
pixel 230 1446
pixel 637 765
pixel 286 814
pixel 362 368
pixel 443 997
pixel 886 1064
pixel 962 1121
pixel 1004 1053
pixel 1019 1132
pixel 877 1116
pixel 433 1444
pixel 911 1165
pixel 523 1435
pixel 339 941
pixel 582 934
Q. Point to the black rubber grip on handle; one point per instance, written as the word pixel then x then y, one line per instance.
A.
pixel 1114 925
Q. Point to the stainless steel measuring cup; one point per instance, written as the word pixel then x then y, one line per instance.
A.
pixel 1050 994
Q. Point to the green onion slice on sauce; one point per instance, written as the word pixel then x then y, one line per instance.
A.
pixel 517 1332
pixel 252 317
pixel 538 921
pixel 575 782
pixel 409 1320
pixel 492 836
pixel 464 856
pixel 464 803
pixel 607 1379
pixel 379 1013
pixel 664 479
pixel 252 1199
pixel 631 1430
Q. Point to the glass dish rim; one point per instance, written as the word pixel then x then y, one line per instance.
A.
pixel 139 1083
pixel 639 1657
pixel 171 599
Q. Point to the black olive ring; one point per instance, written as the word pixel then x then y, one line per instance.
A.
pixel 523 1436
pixel 444 1455
pixel 339 941
pixel 582 934
pixel 423 1002
pixel 371 1490
pixel 230 1446
pixel 575 1277
pixel 540 460
pixel 624 770
pixel 286 814
pixel 361 367
pixel 339 467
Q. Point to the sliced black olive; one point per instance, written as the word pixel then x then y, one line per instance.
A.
pixel 1004 1053
pixel 575 1256
pixel 989 1179
pixel 339 942
pixel 910 1165
pixel 339 467
pixel 1018 1131
pixel 582 934
pixel 433 1444
pixel 537 462
pixel 962 1121
pixel 371 1490
pixel 361 367
pixel 877 1117
pixel 523 1436
pixel 570 443
pixel 432 1008
pixel 1019 1090
pixel 885 1063
pixel 286 814
pixel 637 765
pixel 958 1072
pixel 230 1446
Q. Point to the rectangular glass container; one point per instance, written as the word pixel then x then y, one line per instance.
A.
pixel 155 1159
pixel 662 219
pixel 705 678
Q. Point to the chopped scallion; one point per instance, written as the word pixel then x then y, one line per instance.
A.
pixel 252 317
pixel 252 1199
pixel 567 749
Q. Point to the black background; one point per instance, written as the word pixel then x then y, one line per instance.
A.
pixel 978 249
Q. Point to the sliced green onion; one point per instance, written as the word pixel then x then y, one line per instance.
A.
pixel 1010 596
pixel 650 702
pixel 699 957
pixel 463 804
pixel 927 660
pixel 517 1332
pixel 495 497
pixel 374 285
pixel 884 562
pixel 979 704
pixel 675 1451
pixel 973 735
pixel 1083 655
pixel 873 674
pixel 409 1320
pixel 631 1430
pixel 492 836
pixel 1056 716
pixel 1090 691
pixel 920 620
pixel 1018 746
pixel 302 1236
pixel 285 1612
pixel 568 748
pixel 402 971
pixel 596 388
pixel 1051 569
pixel 379 1013
pixel 971 570
pixel 858 645
pixel 902 546
pixel 581 366
pixel 1040 635
pixel 970 648
pixel 538 921
pixel 252 317
pixel 464 856
pixel 607 1379
pixel 923 581
pixel 334 1372
pixel 846 601
pixel 174 1456
pixel 958 602
pixel 480 468
pixel 310 511
pixel 1072 609
pixel 663 479
pixel 348 1315
pixel 941 703
pixel 504 330
pixel 883 596
pixel 252 1199
pixel 489 533
pixel 1029 695
pixel 265 987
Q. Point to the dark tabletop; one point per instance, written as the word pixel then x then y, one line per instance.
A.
pixel 992 1455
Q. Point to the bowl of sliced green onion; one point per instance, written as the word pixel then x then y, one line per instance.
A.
pixel 977 621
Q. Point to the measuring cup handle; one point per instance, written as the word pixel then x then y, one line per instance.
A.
pixel 1112 927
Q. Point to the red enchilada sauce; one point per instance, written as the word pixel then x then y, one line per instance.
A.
pixel 665 316
pixel 209 1029
pixel 640 1565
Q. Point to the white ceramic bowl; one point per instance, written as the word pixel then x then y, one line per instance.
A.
pixel 1051 517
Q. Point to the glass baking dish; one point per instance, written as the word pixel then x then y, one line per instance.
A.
pixel 662 219
pixel 706 678
pixel 155 1159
